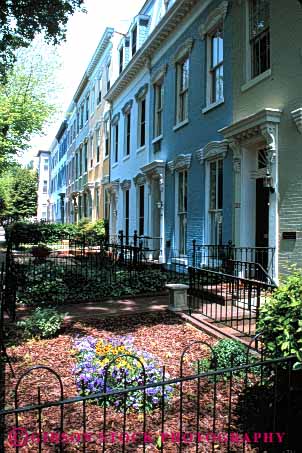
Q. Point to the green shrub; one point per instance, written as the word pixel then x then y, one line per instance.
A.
pixel 226 353
pixel 43 285
pixel 43 323
pixel 281 318
pixel 51 233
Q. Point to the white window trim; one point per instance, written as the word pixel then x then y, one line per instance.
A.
pixel 250 81
pixel 182 259
pixel 178 75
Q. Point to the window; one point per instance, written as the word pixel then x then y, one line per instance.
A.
pixel 99 90
pixel 45 186
pixel 106 135
pixel 141 213
pixel 134 41
pixel 216 66
pixel 126 211
pixel 142 123
pixel 216 201
pixel 182 88
pixel 78 122
pixel 121 59
pixel 259 36
pixel 108 75
pixel 182 211
pixel 85 157
pixel 46 164
pixel 115 143
pixel 97 202
pixel 81 162
pixel 82 116
pixel 87 109
pixel 91 152
pixel 106 204
pixel 158 109
pixel 92 97
pixel 127 132
pixel 98 145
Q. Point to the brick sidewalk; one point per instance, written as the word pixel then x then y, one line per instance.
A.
pixel 114 307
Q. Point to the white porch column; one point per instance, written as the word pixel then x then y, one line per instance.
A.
pixel 236 148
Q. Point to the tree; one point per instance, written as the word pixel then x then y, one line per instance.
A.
pixel 18 192
pixel 27 100
pixel 22 20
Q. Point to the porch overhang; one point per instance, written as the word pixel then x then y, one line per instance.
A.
pixel 260 126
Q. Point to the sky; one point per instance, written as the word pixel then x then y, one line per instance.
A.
pixel 83 34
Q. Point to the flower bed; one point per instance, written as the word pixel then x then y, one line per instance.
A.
pixel 104 365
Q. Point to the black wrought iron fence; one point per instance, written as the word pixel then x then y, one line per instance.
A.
pixel 228 299
pixel 255 406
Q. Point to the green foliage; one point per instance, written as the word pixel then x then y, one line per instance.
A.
pixel 227 353
pixel 51 233
pixel 18 190
pixel 117 364
pixel 46 284
pixel 281 318
pixel 27 100
pixel 43 323
pixel 43 286
pixel 21 22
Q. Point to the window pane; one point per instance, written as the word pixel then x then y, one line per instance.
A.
pixel 185 74
pixel 220 184
pixel 259 16
pixel 213 185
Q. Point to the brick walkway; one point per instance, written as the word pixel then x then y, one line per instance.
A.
pixel 114 307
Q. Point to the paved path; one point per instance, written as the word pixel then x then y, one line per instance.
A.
pixel 128 306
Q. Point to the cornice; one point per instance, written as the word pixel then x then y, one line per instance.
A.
pixel 215 17
pixel 213 150
pixel 183 51
pixel 141 92
pixel 126 184
pixel 174 16
pixel 127 107
pixel 156 166
pixel 116 118
pixel 159 74
pixel 139 179
pixel 113 187
pixel 107 115
pixel 182 162
pixel 297 118
pixel 262 125
pixel 105 180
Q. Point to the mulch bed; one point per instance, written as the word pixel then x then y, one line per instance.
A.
pixel 163 334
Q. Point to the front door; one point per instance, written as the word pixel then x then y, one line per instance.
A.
pixel 262 222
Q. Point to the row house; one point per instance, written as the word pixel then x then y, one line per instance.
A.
pixel 57 189
pixel 87 156
pixel 206 132
pixel 43 168
pixel 188 127
pixel 171 170
pixel 265 133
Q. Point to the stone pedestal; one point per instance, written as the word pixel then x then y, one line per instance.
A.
pixel 178 296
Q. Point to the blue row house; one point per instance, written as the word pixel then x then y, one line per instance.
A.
pixel 171 170
pixel 58 156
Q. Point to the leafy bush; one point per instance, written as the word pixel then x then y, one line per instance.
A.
pixel 226 353
pixel 43 323
pixel 93 358
pixel 281 318
pixel 43 285
pixel 51 233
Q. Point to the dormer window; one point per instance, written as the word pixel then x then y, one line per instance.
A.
pixel 134 40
